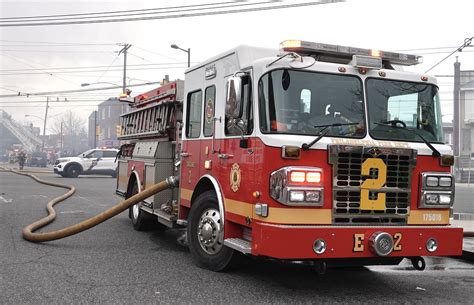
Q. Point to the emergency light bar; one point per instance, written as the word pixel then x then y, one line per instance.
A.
pixel 308 48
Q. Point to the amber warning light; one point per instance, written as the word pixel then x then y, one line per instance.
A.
pixel 305 177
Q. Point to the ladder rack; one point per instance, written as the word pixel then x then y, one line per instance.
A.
pixel 150 121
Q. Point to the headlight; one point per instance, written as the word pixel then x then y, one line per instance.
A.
pixel 432 181
pixel 297 186
pixel 437 190
pixel 296 196
pixel 445 181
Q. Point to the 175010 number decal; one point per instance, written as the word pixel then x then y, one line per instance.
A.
pixel 366 203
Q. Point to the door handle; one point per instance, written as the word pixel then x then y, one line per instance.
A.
pixel 225 156
pixel 184 154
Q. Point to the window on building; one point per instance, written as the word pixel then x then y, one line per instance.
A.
pixel 193 116
pixel 466 140
pixel 103 114
pixel 110 111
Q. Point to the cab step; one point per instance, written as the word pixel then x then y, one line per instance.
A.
pixel 239 244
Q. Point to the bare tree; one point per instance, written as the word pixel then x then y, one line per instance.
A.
pixel 72 125
pixel 74 134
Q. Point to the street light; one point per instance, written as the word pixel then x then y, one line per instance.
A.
pixel 35 116
pixel 184 50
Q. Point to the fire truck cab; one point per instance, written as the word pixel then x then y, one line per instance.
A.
pixel 313 152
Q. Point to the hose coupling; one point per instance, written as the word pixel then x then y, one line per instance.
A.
pixel 173 181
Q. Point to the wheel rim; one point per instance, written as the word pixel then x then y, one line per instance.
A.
pixel 135 211
pixel 74 171
pixel 209 231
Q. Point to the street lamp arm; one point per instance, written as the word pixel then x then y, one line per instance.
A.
pixel 174 46
pixel 90 84
pixel 178 48
pixel 35 116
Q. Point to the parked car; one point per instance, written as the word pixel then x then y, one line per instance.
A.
pixel 93 161
pixel 37 159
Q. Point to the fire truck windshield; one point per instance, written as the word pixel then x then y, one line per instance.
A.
pixel 300 102
pixel 413 106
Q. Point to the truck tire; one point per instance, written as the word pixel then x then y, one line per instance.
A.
pixel 140 219
pixel 73 171
pixel 206 234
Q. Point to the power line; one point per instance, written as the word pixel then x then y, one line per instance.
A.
pixel 467 42
pixel 93 67
pixel 153 52
pixel 139 57
pixel 61 43
pixel 176 9
pixel 111 12
pixel 93 71
pixel 51 45
pixel 175 16
pixel 43 71
pixel 61 100
pixel 107 70
pixel 55 51
pixel 72 91
pixel 434 53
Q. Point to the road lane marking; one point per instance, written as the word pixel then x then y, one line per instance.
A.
pixel 72 212
pixel 6 200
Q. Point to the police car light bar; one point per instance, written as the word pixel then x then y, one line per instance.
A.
pixel 307 47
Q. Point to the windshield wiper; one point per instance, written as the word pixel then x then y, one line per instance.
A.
pixel 435 153
pixel 324 131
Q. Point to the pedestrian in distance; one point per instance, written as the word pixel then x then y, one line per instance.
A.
pixel 21 159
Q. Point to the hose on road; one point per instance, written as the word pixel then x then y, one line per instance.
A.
pixel 28 231
pixel 28 234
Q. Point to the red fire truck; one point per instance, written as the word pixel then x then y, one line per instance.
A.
pixel 318 153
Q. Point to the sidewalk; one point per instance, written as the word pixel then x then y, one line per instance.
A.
pixel 468 242
pixel 27 169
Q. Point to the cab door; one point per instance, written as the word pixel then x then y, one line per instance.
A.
pixel 190 152
pixel 237 148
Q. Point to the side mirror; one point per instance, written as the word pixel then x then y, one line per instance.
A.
pixel 234 105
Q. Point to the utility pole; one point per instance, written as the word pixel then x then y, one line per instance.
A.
pixel 124 50
pixel 95 129
pixel 62 143
pixel 44 123
pixel 457 106
pixel 189 57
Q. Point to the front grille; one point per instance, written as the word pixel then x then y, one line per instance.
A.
pixel 347 180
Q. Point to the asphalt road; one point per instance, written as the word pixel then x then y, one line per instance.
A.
pixel 112 263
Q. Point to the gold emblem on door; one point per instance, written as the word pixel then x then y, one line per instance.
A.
pixel 235 177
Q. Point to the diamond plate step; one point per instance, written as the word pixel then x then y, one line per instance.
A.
pixel 239 244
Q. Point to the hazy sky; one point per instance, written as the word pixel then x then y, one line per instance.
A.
pixel 29 57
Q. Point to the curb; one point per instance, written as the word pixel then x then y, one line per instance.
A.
pixel 29 171
pixel 36 171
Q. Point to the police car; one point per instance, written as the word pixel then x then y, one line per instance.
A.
pixel 91 162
